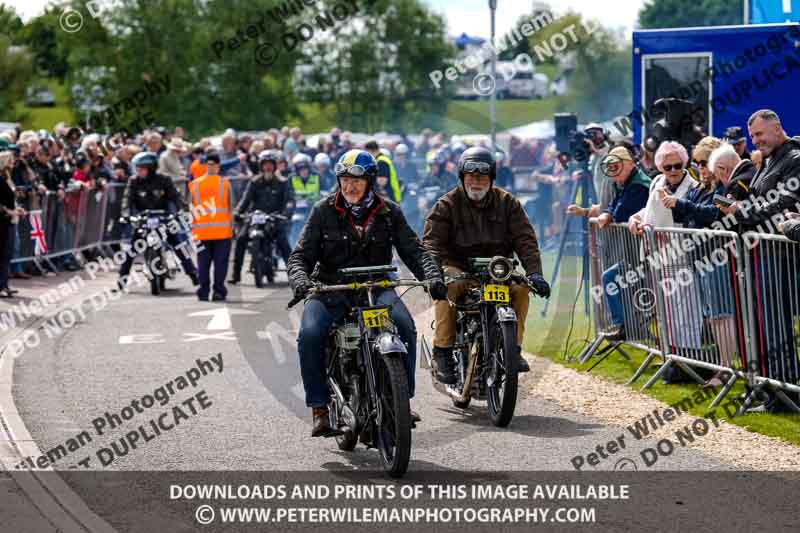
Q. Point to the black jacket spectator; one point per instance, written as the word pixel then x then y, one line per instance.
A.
pixel 778 169
pixel 741 180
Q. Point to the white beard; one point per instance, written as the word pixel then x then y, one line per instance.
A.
pixel 477 196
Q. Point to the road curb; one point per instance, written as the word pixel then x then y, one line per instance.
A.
pixel 44 488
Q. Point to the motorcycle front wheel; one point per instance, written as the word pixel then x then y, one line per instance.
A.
pixel 502 393
pixel 152 260
pixel 258 264
pixel 394 427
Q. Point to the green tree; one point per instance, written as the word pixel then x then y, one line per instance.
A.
pixel 41 35
pixel 374 69
pixel 688 13
pixel 16 71
pixel 10 23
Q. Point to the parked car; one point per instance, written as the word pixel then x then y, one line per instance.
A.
pixel 39 97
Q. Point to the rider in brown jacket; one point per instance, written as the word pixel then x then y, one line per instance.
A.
pixel 477 219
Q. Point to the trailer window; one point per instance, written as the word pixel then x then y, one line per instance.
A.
pixel 678 77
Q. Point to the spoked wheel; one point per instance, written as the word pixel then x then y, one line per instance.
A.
pixel 394 420
pixel 153 261
pixel 258 265
pixel 502 384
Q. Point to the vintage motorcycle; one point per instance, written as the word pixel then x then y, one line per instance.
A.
pixel 486 340
pixel 262 229
pixel 160 260
pixel 366 371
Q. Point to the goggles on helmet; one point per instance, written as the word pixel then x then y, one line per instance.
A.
pixel 477 166
pixel 353 170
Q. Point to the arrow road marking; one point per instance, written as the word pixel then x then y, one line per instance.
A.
pixel 221 318
pixel 222 336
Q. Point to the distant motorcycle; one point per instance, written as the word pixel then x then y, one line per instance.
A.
pixel 160 260
pixel 366 371
pixel 262 229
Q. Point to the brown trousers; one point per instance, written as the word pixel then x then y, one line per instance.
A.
pixel 445 334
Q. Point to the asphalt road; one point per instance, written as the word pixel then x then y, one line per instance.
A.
pixel 257 419
pixel 250 416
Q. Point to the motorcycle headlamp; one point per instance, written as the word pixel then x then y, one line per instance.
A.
pixel 500 269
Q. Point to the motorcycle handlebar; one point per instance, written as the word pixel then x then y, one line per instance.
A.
pixel 386 284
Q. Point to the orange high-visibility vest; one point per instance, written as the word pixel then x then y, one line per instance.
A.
pixel 197 169
pixel 211 210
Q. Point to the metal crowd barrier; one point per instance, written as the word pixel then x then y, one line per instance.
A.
pixel 616 254
pixel 701 299
pixel 773 297
pixel 699 274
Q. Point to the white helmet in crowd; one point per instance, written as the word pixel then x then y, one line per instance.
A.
pixel 322 160
pixel 301 160
pixel 401 149
pixel 386 152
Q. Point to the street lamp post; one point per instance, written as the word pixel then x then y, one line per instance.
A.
pixel 493 96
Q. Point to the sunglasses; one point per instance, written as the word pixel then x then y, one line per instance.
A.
pixel 670 168
pixel 353 170
pixel 703 163
pixel 477 166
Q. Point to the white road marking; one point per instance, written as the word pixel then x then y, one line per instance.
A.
pixel 221 318
pixel 222 336
pixel 143 338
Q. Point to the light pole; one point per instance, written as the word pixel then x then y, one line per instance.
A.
pixel 493 96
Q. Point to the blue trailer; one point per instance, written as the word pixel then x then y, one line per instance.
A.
pixel 727 72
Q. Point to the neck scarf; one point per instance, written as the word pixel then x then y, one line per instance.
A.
pixel 359 211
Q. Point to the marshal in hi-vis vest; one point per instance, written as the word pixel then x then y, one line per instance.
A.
pixel 211 208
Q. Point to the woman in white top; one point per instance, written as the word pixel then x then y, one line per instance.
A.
pixel 682 299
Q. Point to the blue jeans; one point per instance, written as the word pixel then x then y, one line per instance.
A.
pixel 312 339
pixel 615 300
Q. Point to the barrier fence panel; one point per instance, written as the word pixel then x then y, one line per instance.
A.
pixel 699 275
pixel 773 300
pixel 622 294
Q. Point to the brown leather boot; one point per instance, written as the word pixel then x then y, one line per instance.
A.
pixel 322 422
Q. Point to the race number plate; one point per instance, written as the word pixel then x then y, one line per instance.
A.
pixel 495 293
pixel 153 222
pixel 375 318
pixel 259 218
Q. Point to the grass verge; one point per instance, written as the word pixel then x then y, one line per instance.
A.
pixel 617 369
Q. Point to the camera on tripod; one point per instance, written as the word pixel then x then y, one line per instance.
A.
pixel 571 142
pixel 678 123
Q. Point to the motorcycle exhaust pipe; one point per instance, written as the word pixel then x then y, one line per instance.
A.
pixel 464 395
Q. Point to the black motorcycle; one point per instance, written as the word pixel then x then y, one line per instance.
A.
pixel 262 229
pixel 486 340
pixel 160 261
pixel 366 371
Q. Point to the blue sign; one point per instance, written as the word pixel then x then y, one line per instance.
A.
pixel 774 11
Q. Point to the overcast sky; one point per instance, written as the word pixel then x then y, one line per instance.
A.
pixel 471 16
